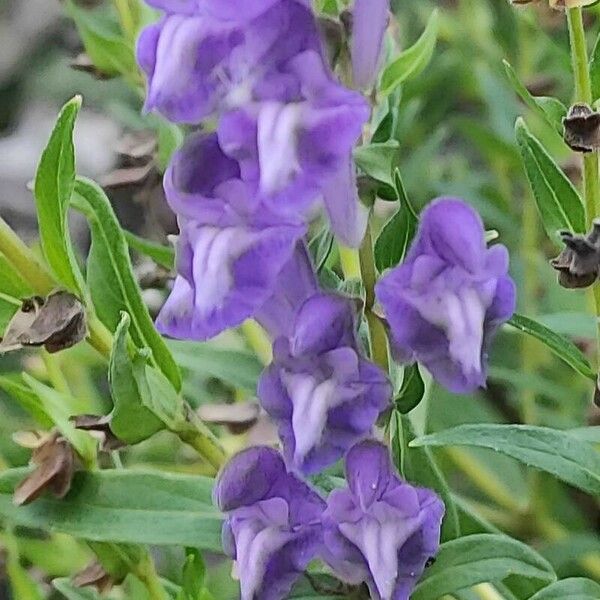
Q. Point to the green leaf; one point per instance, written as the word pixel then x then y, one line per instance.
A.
pixel 397 234
pixel 104 43
pixel 320 247
pixel 412 61
pixel 237 368
pixel 124 506
pixel 161 255
pixel 71 592
pixel 562 552
pixel 412 390
pixel 132 422
pixel 170 138
pixel 576 588
pixel 480 558
pixel 595 70
pixel 418 465
pixel 111 280
pixel 378 160
pixel 556 452
pixel 27 399
pixel 559 345
pixel 53 187
pixel 550 110
pixel 558 202
pixel 194 574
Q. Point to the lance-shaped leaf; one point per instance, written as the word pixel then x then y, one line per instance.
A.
pixel 560 345
pixel 556 452
pixel 53 187
pixel 481 558
pixel 550 109
pixel 397 234
pixel 412 61
pixel 104 43
pixel 111 280
pixel 161 255
pixel 123 506
pixel 576 588
pixel 559 204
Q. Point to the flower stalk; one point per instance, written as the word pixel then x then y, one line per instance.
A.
pixel 583 92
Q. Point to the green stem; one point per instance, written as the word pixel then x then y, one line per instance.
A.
pixel 24 260
pixel 583 92
pixel 146 572
pixel 199 437
pixel 377 332
pixel 258 340
pixel 126 18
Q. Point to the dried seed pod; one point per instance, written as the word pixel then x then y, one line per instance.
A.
pixel 582 128
pixel 565 4
pixel 57 322
pixel 578 264
pixel 94 575
pixel 99 428
pixel 238 417
pixel 55 462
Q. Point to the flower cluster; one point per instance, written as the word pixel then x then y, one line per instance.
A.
pixel 379 530
pixel 244 189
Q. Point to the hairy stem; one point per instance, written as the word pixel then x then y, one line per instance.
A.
pixel 583 93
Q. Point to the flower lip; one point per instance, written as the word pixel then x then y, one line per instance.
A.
pixel 380 530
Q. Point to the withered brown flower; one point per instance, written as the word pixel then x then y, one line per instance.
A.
pixel 55 464
pixel 582 128
pixel 56 322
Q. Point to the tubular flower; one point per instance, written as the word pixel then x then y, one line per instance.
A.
pixel 273 527
pixel 380 530
pixel 230 250
pixel 322 393
pixel 302 149
pixel 448 298
pixel 369 21
pixel 220 55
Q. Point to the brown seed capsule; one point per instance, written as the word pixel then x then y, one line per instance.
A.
pixel 578 264
pixel 238 417
pixel 55 462
pixel 57 322
pixel 99 428
pixel 95 576
pixel 582 128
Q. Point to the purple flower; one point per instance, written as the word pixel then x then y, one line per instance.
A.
pixel 236 10
pixel 231 248
pixel 299 149
pixel 448 298
pixel 321 392
pixel 380 530
pixel 370 19
pixel 201 61
pixel 273 527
